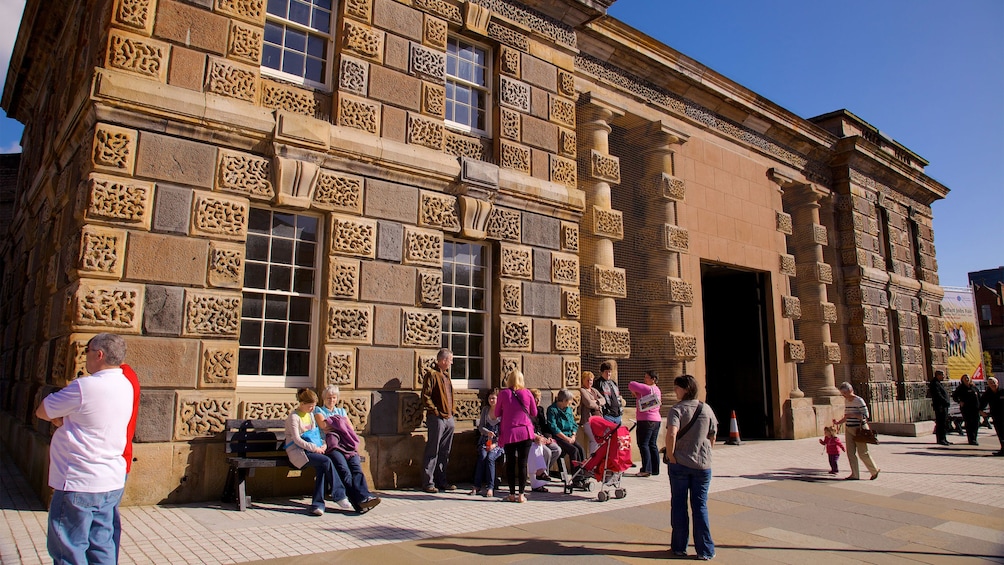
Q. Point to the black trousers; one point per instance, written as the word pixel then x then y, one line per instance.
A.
pixel 972 420
pixel 941 424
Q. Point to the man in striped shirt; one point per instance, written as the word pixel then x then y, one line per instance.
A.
pixel 855 416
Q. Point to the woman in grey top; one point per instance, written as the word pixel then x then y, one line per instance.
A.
pixel 688 449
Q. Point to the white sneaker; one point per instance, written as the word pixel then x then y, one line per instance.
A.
pixel 317 511
pixel 344 504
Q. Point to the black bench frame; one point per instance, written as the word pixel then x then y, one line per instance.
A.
pixel 252 444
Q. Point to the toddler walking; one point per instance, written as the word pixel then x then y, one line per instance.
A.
pixel 833 447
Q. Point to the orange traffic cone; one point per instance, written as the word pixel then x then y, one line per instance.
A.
pixel 733 431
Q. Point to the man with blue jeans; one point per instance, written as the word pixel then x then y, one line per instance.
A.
pixel 86 468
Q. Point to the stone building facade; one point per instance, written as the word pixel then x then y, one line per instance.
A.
pixel 268 194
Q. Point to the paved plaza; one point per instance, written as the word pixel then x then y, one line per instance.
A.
pixel 771 502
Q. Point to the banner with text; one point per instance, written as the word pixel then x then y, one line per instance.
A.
pixel 962 334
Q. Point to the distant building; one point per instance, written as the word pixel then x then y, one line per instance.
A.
pixel 263 195
pixel 988 291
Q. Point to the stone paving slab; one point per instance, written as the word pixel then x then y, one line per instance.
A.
pixel 771 502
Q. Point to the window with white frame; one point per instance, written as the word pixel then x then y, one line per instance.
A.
pixel 468 76
pixel 279 299
pixel 297 43
pixel 466 310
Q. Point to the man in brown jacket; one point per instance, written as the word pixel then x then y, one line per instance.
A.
pixel 437 397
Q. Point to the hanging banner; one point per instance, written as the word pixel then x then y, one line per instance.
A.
pixel 962 334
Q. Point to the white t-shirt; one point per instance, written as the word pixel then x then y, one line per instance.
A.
pixel 86 451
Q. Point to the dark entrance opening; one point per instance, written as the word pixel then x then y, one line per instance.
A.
pixel 737 349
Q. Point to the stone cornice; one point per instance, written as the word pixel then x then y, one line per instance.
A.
pixel 885 172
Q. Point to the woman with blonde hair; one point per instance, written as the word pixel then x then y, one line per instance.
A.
pixel 515 410
pixel 304 448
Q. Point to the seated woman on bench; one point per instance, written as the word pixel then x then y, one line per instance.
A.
pixel 341 443
pixel 561 422
pixel 303 447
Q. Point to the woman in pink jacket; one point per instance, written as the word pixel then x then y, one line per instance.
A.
pixel 649 399
pixel 515 410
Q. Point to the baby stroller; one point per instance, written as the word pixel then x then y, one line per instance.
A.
pixel 607 464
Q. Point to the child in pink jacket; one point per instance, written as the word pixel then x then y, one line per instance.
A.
pixel 833 448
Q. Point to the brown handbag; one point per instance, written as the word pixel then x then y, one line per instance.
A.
pixel 866 435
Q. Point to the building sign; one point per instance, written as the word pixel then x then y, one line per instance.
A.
pixel 962 334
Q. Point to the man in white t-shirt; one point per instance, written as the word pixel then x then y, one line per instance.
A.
pixel 86 468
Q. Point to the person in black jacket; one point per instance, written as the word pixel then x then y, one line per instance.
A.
pixel 993 404
pixel 968 398
pixel 941 401
pixel 612 408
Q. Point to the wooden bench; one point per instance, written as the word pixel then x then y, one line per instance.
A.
pixel 251 445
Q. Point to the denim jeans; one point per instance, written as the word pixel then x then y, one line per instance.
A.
pixel 324 474
pixel 648 445
pixel 683 481
pixel 484 470
pixel 349 471
pixel 82 527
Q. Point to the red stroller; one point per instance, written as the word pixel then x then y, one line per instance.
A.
pixel 607 464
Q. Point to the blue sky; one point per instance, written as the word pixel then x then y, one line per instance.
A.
pixel 928 73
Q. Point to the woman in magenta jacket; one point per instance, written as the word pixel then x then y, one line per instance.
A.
pixel 649 422
pixel 515 410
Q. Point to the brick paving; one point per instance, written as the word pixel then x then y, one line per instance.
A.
pixel 772 501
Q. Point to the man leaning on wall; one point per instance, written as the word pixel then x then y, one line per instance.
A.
pixel 87 469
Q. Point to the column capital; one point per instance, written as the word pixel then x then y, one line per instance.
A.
pixel 659 135
pixel 604 109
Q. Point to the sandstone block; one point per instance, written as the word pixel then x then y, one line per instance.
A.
pixel 384 368
pixel 541 336
pixel 172 209
pixel 391 201
pixel 541 231
pixel 539 73
pixel 387 325
pixel 390 241
pixel 191 26
pixel 164 363
pixel 395 88
pixel 166 259
pixel 387 282
pixel 396 52
pixel 542 371
pixel 162 310
pixel 150 470
pixel 541 300
pixel 540 133
pixel 541 265
pixel 394 124
pixel 400 19
pixel 175 160
pixel 155 421
pixel 187 69
pixel 539 103
pixel 540 164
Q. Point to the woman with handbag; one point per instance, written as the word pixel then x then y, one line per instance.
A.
pixel 488 448
pixel 855 419
pixel 649 399
pixel 303 447
pixel 515 410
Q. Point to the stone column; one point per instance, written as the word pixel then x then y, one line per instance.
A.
pixel 791 309
pixel 812 276
pixel 664 290
pixel 602 225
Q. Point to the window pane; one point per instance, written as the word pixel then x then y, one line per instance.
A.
pixel 459 325
pixel 292 63
pixel 299 336
pixel 465 71
pixel 477 299
pixel 253 305
pixel 463 95
pixel 463 275
pixel 321 21
pixel 254 275
pixel 303 281
pixel 273 33
pixel 247 363
pixel 277 7
pixel 325 4
pixel 314 70
pixel 477 325
pixel 275 334
pixel 458 346
pixel 475 369
pixel 459 370
pixel 298 363
pixel 282 251
pixel 306 228
pixel 271 56
pixel 305 254
pixel 299 12
pixel 283 225
pixel 259 221
pixel 462 115
pixel 299 309
pixel 250 333
pixel 275 307
pixel 280 278
pixel 272 362
pixel 461 297
pixel 257 248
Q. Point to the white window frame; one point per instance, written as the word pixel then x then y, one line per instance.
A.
pixel 329 50
pixel 485 312
pixel 259 380
pixel 485 88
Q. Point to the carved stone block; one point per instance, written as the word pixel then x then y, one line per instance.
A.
pixel 218 364
pixel 340 366
pixel 791 307
pixel 824 273
pixel 604 167
pixel 338 192
pixel 343 278
pixel 244 174
pixel 279 96
pixel 252 11
pixel 433 99
pixel 565 269
pixel 516 262
pixel 219 216
pixel 119 201
pixel 508 36
pixel 610 342
pixel 211 314
pixel 425 132
pixel 831 353
pixel 566 337
pixel 794 351
pixel 514 94
pixel 783 222
pixel 136 15
pixel 114 149
pixel 515 157
pixel 423 247
pixel 571 368
pixel 819 235
pixel 202 414
pixel 232 79
pixel 363 40
pixel 358 113
pixel 608 223
pixel 562 112
pixel 360 9
pixel 511 294
pixel 509 60
pixel 353 236
pixel 508 363
pixel 665 290
pixel 607 281
pixel 101 253
pixel 569 237
pixel 349 323
pixel 563 171
pixel 430 287
pixel 510 124
pixel 353 75
pixel 449 12
pixel 504 224
pixel 567 145
pixel 425 360
pixel 570 303
pixel 427 63
pixel 244 43
pixel 97 307
pixel 515 333
pixel 411 413
pixel 786 265
pixel 435 32
pixel 422 328
pixel 265 410
pixel 816 272
pixel 226 265
pixel 138 55
pixel 437 210
pixel 463 145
